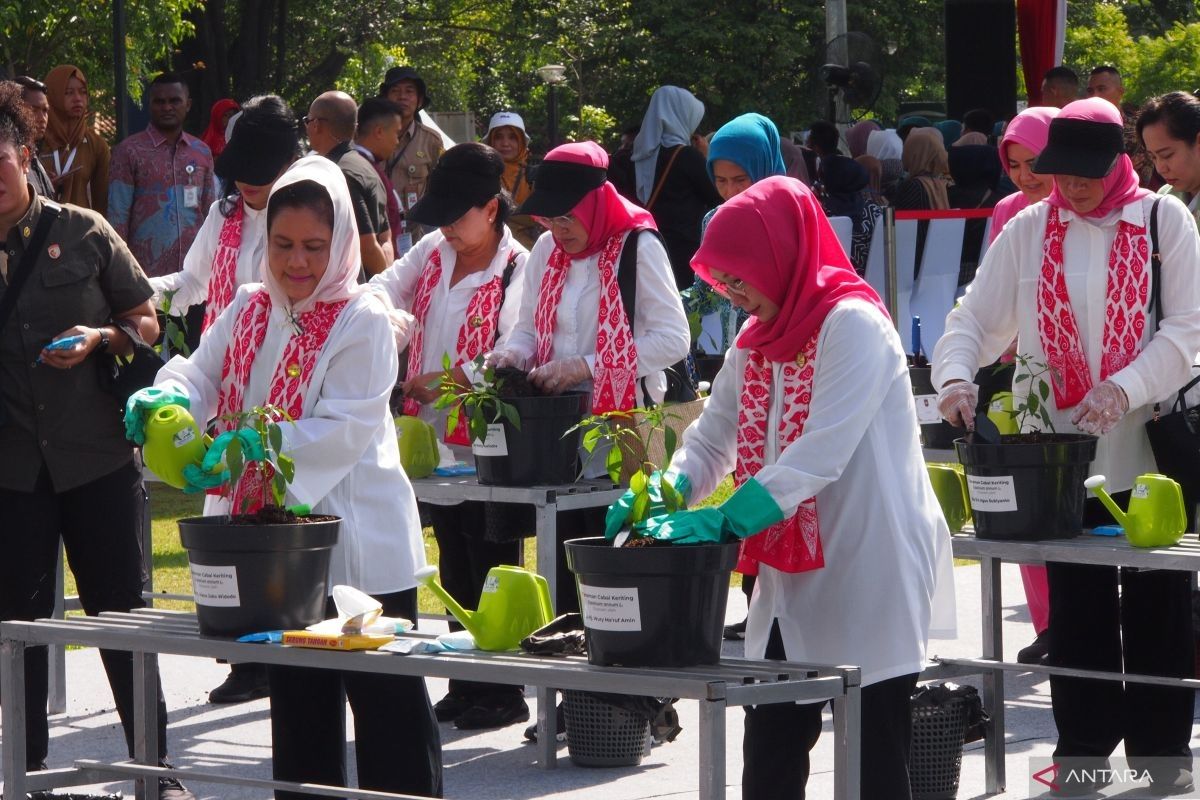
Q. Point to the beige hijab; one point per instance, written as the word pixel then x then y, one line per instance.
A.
pixel 925 160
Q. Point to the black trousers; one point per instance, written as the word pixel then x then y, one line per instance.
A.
pixel 100 525
pixel 396 737
pixel 464 558
pixel 1147 629
pixel 575 524
pixel 779 736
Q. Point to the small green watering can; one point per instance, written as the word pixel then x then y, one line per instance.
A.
pixel 1000 412
pixel 173 440
pixel 515 602
pixel 951 489
pixel 1155 517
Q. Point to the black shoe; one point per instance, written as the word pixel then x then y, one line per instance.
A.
pixel 451 707
pixel 560 731
pixel 1168 781
pixel 171 789
pixel 245 682
pixel 735 632
pixel 1037 651
pixel 493 715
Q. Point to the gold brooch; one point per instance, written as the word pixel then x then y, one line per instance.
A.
pixel 801 360
pixel 293 370
pixel 25 231
pixel 476 322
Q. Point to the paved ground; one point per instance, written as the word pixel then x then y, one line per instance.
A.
pixel 496 764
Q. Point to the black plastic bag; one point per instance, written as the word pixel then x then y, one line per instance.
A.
pixel 943 693
pixel 561 636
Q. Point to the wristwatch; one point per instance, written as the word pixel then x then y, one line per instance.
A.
pixel 104 341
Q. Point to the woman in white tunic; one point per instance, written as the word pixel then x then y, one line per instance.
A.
pixel 462 284
pixel 1071 279
pixel 574 331
pixel 310 341
pixel 813 413
pixel 228 249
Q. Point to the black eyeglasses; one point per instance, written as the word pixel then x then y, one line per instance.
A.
pixel 307 119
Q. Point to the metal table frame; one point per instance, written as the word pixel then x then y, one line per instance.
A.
pixel 1084 549
pixel 546 500
pixel 148 632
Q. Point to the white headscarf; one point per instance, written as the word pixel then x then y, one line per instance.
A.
pixel 340 280
pixel 671 118
pixel 885 145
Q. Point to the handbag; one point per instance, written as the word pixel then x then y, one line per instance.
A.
pixel 121 376
pixel 1174 436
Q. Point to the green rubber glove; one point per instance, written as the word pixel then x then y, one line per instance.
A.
pixel 148 399
pixel 694 526
pixel 197 480
pixel 619 512
pixel 252 450
pixel 750 509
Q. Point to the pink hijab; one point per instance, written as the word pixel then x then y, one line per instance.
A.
pixel 1031 129
pixel 776 238
pixel 1121 187
pixel 603 211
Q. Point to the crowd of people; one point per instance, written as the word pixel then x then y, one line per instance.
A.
pixel 330 263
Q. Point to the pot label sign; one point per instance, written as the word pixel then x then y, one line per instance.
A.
pixel 215 586
pixel 927 410
pixel 494 445
pixel 609 609
pixel 996 493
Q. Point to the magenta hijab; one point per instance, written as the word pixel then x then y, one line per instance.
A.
pixel 1031 129
pixel 1121 186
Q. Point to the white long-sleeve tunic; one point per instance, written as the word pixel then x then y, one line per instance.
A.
pixel 660 328
pixel 190 284
pixel 887 583
pixel 448 305
pixel 344 444
pixel 1002 303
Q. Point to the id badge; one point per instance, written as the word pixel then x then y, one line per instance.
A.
pixel 412 199
pixel 403 244
pixel 191 196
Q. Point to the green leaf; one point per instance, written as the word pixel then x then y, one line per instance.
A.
pixel 288 468
pixel 234 460
pixel 590 439
pixel 641 502
pixel 1024 376
pixel 613 463
pixel 1034 404
pixel 637 482
pixel 672 499
pixel 510 413
pixel 1044 390
pixel 478 427
pixel 275 435
pixel 278 488
pixel 447 362
pixel 669 442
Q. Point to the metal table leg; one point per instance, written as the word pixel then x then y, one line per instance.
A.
pixel 57 653
pixel 847 729
pixel 993 680
pixel 712 749
pixel 547 544
pixel 12 716
pixel 145 719
pixel 547 726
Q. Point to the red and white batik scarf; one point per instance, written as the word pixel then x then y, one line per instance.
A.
pixel 1124 310
pixel 222 280
pixel 794 544
pixel 614 379
pixel 290 383
pixel 476 336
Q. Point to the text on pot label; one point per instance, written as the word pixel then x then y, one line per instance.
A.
pixel 494 445
pixel 215 586
pixel 927 409
pixel 992 494
pixel 609 609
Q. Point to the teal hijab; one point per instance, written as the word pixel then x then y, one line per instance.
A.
pixel 951 130
pixel 752 142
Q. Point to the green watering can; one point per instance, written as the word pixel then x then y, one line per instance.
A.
pixel 951 489
pixel 173 440
pixel 1000 412
pixel 515 602
pixel 1155 517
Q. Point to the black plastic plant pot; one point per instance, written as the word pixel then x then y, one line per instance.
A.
pixel 541 452
pixel 254 578
pixel 936 433
pixel 1028 490
pixel 660 606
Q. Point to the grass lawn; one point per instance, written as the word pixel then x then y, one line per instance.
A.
pixel 171 575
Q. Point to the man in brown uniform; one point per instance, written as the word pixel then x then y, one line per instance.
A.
pixel 418 149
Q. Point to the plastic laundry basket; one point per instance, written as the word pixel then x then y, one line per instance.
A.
pixel 935 756
pixel 600 734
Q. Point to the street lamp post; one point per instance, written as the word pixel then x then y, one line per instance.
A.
pixel 552 75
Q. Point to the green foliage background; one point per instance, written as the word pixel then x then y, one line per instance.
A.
pixel 482 55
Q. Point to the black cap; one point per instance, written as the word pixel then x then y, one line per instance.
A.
pixel 465 177
pixel 1081 147
pixel 558 187
pixel 258 151
pixel 397 74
